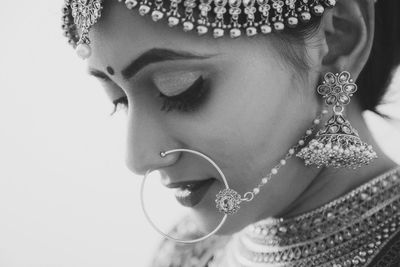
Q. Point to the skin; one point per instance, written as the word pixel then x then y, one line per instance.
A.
pixel 259 106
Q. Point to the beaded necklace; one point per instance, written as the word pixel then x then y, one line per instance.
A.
pixel 348 231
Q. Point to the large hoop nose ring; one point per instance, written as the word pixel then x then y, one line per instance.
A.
pixel 227 200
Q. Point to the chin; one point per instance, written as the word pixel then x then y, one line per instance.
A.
pixel 207 218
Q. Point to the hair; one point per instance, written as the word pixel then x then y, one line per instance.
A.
pixel 382 63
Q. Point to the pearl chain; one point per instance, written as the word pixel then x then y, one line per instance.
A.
pixel 248 196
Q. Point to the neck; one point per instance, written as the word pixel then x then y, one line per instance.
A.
pixel 331 183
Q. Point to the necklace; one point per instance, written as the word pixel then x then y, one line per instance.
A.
pixel 349 231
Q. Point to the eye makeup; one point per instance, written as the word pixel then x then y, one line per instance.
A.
pixel 174 82
pixel 187 100
pixel 119 103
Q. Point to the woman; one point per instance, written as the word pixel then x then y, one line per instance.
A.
pixel 252 105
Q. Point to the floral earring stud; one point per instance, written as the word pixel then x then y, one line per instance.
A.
pixel 338 144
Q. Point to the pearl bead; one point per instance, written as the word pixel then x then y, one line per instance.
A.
pixel 318 10
pixel 301 142
pixel 331 3
pixel 251 31
pixel 266 29
pixel 131 3
pixel 291 151
pixel 308 132
pixel 305 16
pixel 218 32
pixel 201 29
pixel 144 9
pixel 292 21
pixel 274 171
pixel 156 15
pixel 264 180
pixel 256 191
pixel 283 162
pixel 172 21
pixel 279 26
pixel 235 33
pixel 325 111
pixel 317 121
pixel 188 26
pixel 83 51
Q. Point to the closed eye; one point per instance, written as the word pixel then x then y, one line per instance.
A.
pixel 187 101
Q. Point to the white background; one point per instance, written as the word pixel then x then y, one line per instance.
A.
pixel 66 198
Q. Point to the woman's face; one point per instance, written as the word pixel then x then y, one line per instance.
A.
pixel 237 101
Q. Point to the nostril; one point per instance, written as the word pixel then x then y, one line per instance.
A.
pixel 172 155
pixel 140 163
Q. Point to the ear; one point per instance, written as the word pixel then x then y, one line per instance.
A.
pixel 348 32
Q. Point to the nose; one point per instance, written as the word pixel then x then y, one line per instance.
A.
pixel 147 137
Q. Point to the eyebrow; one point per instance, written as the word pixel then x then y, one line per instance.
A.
pixel 150 56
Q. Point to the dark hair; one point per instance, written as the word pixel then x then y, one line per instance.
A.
pixel 384 59
pixel 385 55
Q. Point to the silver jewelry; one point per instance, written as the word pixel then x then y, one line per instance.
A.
pixel 220 17
pixel 228 200
pixel 235 199
pixel 80 15
pixel 349 231
pixel 346 232
pixel 164 154
pixel 338 143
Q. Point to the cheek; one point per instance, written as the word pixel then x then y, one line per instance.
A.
pixel 253 113
pixel 257 121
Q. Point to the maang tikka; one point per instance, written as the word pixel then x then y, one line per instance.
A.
pixel 337 144
pixel 233 18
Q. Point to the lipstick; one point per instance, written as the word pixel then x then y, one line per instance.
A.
pixel 190 193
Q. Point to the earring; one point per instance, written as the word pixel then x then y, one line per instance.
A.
pixel 337 144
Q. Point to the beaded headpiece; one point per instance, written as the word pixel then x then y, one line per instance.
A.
pixel 233 17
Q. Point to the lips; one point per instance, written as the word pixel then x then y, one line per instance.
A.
pixel 190 193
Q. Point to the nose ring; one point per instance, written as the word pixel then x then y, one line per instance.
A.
pixel 227 200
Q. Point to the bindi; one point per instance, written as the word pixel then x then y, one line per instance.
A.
pixel 110 70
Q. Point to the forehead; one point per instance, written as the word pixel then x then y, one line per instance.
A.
pixel 122 34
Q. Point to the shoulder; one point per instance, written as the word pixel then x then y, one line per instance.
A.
pixel 173 254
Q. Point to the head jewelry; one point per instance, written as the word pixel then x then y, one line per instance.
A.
pixel 220 17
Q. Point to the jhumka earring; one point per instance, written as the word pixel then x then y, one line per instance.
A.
pixel 337 144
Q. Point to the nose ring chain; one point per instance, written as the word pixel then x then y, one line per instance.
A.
pixel 228 200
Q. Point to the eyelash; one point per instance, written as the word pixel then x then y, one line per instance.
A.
pixel 122 101
pixel 188 101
